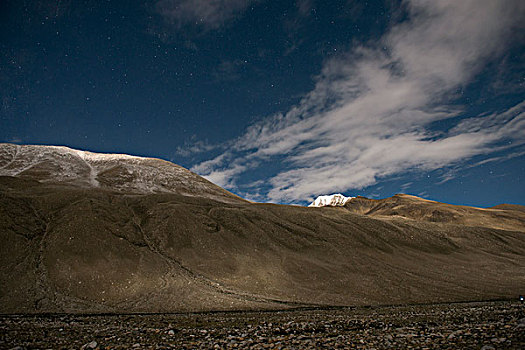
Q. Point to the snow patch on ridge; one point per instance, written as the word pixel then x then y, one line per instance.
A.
pixel 333 200
pixel 118 172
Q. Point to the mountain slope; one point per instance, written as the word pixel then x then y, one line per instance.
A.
pixel 71 246
pixel 116 172
pixel 505 217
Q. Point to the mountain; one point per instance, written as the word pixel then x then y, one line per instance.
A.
pixel 334 200
pixel 116 172
pixel 402 206
pixel 83 232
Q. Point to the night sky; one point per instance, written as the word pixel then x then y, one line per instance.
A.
pixel 280 101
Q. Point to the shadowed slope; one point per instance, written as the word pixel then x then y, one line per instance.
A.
pixel 67 249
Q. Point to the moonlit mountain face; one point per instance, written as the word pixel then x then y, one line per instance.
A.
pixel 117 172
pixel 334 200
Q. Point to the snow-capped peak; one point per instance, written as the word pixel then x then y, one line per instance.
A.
pixel 333 200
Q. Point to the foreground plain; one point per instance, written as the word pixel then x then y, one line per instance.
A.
pixel 487 325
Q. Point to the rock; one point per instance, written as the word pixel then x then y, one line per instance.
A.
pixel 488 347
pixel 364 329
pixel 453 335
pixel 91 345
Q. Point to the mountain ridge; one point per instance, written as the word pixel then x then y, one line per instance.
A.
pixel 415 208
pixel 118 172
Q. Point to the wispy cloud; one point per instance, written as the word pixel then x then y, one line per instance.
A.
pixel 370 112
pixel 304 7
pixel 208 14
pixel 295 23
pixel 194 147
pixel 224 177
pixel 230 70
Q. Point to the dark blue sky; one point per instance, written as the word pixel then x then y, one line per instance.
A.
pixel 280 100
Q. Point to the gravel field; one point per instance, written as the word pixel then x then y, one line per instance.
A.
pixel 486 325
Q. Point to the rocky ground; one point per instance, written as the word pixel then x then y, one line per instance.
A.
pixel 487 325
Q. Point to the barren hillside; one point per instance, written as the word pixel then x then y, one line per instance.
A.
pixel 71 245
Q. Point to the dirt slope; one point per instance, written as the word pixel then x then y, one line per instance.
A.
pixel 504 216
pixel 68 247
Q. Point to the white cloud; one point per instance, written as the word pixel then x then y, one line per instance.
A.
pixel 209 165
pixel 209 14
pixel 368 116
pixel 224 178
